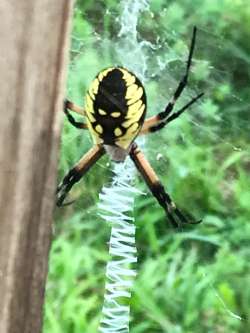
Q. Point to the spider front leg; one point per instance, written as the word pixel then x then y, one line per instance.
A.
pixel 75 108
pixel 76 173
pixel 174 215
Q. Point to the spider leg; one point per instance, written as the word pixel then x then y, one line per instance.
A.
pixel 182 83
pixel 159 121
pixel 76 173
pixel 175 115
pixel 75 108
pixel 174 215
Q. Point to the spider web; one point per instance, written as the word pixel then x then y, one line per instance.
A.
pixel 154 60
pixel 157 61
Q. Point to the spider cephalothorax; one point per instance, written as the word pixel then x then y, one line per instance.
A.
pixel 115 109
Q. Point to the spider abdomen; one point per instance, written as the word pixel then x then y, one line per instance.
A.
pixel 115 107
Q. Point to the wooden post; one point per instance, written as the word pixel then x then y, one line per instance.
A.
pixel 33 35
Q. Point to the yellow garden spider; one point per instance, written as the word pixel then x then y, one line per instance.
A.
pixel 115 109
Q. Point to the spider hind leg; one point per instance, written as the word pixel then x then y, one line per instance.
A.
pixel 75 108
pixel 159 121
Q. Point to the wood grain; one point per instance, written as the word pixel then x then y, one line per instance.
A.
pixel 34 38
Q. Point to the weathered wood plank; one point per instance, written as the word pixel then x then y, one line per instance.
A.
pixel 34 35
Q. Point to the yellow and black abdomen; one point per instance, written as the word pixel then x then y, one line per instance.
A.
pixel 115 107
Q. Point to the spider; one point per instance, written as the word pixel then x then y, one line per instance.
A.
pixel 115 110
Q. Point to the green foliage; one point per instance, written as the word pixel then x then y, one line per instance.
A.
pixel 197 279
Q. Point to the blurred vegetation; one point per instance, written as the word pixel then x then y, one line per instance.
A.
pixel 195 280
